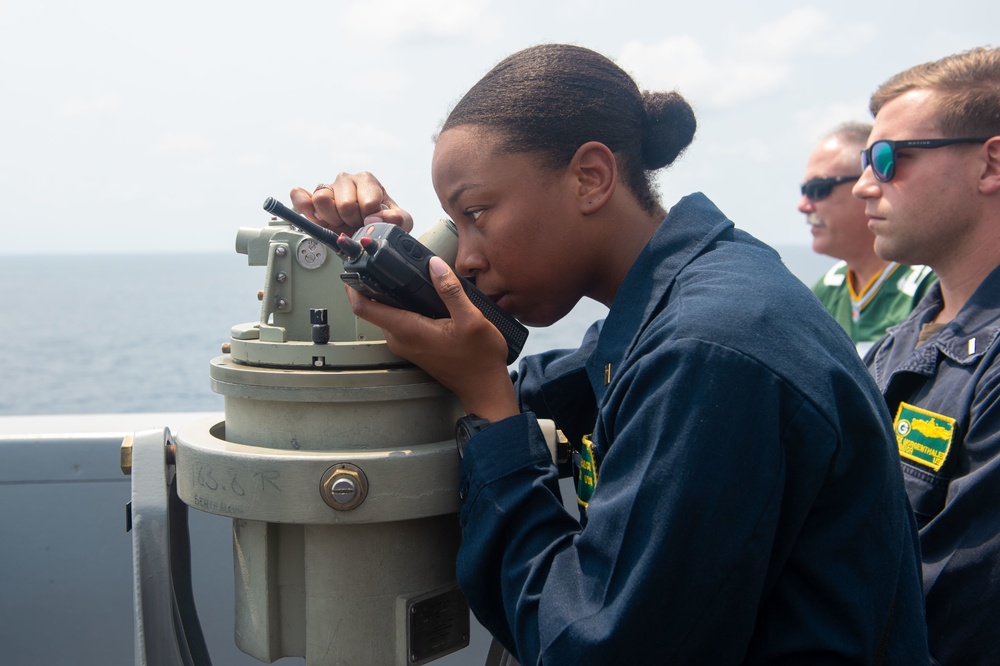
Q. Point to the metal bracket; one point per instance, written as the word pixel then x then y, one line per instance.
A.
pixel 167 630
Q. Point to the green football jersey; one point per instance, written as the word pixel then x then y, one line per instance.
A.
pixel 885 301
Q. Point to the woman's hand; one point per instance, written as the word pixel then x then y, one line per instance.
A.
pixel 466 353
pixel 348 203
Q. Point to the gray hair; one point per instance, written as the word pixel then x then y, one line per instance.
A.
pixel 853 133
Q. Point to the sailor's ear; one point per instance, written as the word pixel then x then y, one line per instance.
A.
pixel 989 180
pixel 595 173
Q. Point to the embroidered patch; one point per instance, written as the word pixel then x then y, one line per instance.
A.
pixel 587 473
pixel 922 436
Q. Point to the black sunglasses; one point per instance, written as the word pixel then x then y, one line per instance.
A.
pixel 820 188
pixel 881 155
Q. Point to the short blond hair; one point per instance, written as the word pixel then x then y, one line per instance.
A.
pixel 968 87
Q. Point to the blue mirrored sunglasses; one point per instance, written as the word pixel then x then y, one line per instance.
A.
pixel 881 155
pixel 818 189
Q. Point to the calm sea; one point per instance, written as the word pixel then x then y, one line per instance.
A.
pixel 135 333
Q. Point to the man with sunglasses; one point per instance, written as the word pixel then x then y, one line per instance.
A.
pixel 931 187
pixel 865 293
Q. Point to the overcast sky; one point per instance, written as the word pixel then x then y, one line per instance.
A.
pixel 130 126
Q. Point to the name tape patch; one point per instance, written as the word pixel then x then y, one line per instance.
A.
pixel 922 436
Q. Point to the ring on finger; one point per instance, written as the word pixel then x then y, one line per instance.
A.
pixel 322 186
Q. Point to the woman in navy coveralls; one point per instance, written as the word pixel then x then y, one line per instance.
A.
pixel 741 499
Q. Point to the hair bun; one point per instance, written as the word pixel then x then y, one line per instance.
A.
pixel 668 128
pixel 550 99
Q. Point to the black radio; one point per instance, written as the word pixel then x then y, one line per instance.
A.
pixel 388 265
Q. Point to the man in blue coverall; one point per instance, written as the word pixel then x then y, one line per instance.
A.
pixel 931 184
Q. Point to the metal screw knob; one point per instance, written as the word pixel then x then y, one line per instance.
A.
pixel 344 487
pixel 343 490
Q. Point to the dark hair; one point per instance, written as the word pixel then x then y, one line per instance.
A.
pixel 549 100
pixel 968 87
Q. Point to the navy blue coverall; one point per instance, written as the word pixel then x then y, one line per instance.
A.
pixel 744 498
pixel 945 397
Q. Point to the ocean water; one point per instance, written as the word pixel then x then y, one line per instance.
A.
pixel 91 334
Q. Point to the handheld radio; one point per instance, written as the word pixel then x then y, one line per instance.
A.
pixel 388 265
